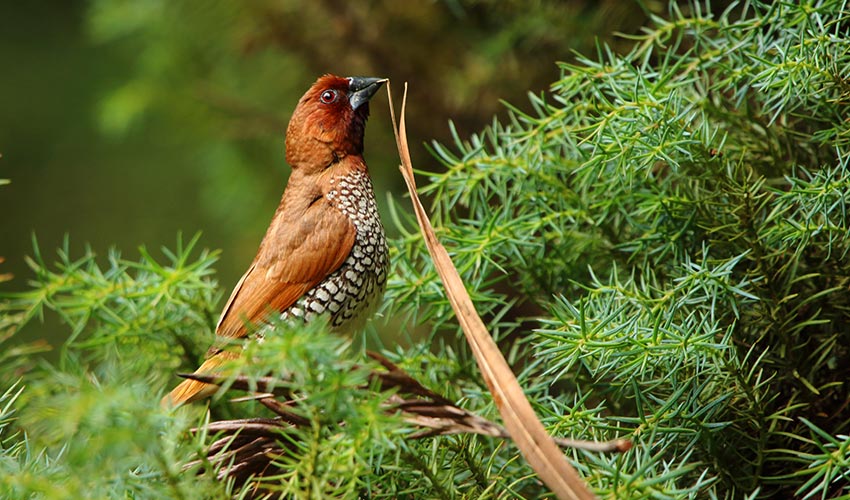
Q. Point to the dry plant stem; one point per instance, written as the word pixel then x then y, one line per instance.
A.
pixel 538 448
pixel 422 407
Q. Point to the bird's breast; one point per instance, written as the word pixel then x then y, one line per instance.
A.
pixel 352 293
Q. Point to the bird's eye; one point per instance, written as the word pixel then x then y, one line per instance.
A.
pixel 328 96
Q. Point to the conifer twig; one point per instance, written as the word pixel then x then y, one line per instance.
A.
pixel 246 450
pixel 432 412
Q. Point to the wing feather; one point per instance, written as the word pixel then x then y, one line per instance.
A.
pixel 288 265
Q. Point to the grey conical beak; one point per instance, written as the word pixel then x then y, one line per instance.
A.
pixel 361 89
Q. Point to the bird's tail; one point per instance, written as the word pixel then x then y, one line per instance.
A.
pixel 192 390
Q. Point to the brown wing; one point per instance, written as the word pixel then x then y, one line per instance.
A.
pixel 293 258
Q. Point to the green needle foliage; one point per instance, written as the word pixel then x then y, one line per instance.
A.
pixel 673 224
pixel 660 247
pixel 90 425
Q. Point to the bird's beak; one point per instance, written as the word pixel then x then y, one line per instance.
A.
pixel 361 89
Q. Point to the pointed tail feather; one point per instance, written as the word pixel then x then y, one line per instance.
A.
pixel 192 390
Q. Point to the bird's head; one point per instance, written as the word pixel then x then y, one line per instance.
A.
pixel 329 121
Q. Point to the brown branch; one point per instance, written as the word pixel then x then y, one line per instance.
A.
pixel 247 449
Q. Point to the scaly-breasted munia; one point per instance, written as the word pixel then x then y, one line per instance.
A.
pixel 325 251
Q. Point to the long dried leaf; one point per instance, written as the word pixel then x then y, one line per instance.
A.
pixel 538 448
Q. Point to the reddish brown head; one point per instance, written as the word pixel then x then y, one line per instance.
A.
pixel 329 121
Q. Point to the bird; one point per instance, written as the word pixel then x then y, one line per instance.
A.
pixel 325 251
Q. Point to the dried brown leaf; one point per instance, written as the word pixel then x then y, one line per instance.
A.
pixel 526 430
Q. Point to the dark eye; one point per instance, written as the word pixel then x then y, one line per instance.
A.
pixel 328 96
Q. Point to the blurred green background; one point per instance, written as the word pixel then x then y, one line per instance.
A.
pixel 123 123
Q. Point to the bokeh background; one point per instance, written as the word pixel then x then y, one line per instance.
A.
pixel 125 122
